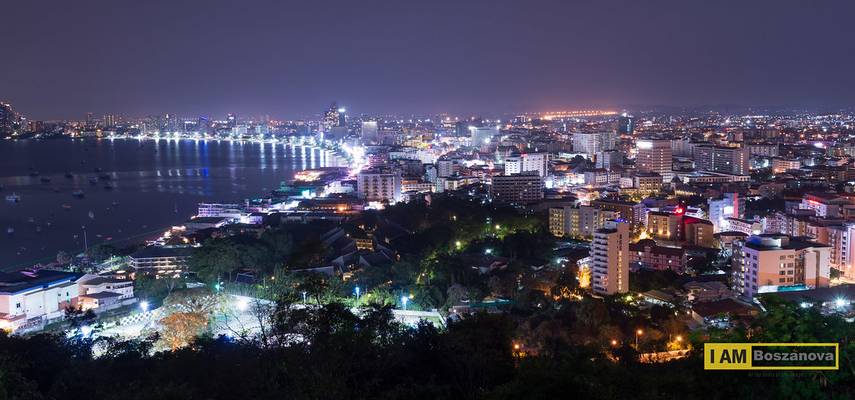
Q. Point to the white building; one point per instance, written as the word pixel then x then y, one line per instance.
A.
pixel 610 258
pixel 591 143
pixel 730 205
pixel 771 263
pixel 482 135
pixel 654 155
pixel 370 133
pixel 379 185
pixel 29 300
pixel 527 162
pixel 446 167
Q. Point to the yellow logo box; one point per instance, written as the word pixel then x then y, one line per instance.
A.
pixel 772 356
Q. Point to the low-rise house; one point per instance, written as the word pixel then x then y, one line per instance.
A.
pixel 707 291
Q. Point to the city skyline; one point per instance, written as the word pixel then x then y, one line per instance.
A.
pixel 471 58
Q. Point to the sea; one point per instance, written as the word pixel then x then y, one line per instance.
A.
pixel 73 193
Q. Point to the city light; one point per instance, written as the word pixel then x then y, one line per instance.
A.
pixel 243 304
pixel 144 306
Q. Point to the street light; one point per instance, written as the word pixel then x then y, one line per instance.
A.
pixel 405 300
pixel 356 290
pixel 243 304
pixel 637 334
pixel 304 297
pixel 144 305
pixel 614 342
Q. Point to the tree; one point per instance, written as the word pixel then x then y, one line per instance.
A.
pixel 181 328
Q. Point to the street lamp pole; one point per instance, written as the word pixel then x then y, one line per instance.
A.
pixel 637 334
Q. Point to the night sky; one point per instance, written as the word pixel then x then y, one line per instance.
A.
pixel 61 59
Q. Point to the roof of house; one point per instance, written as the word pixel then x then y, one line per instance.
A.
pixel 102 295
pixel 725 306
pixel 15 282
pixel 159 251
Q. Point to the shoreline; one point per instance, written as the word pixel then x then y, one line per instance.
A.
pixel 338 158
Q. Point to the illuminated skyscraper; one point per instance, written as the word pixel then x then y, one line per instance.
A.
pixel 481 135
pixel 610 255
pixel 591 143
pixel 654 155
pixel 332 118
pixel 369 132
pixel 10 121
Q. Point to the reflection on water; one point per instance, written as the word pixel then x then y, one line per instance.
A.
pixel 130 189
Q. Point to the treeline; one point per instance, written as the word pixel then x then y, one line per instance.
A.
pixel 330 353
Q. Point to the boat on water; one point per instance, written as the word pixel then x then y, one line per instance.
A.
pixel 78 193
pixel 66 206
pixel 13 198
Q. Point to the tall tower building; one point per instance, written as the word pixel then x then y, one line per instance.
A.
pixel 610 258
pixel 9 120
pixel 654 155
pixel 527 162
pixel 729 160
pixel 626 124
pixel 370 133
pixel 332 118
pixel 109 121
pixel 591 143
pixel 482 135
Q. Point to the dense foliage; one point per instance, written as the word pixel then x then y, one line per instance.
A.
pixel 330 353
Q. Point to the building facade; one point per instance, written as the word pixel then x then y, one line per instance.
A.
pixel 610 259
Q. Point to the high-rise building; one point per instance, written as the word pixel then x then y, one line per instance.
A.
pixel 654 155
pixel 10 121
pixel 519 189
pixel 370 134
pixel 591 143
pixel 610 258
pixel 379 185
pixel 729 205
pixel 447 167
pixel 772 262
pixel 728 160
pixel 626 124
pixel 578 222
pixel 332 118
pixel 231 121
pixel 527 162
pixel 482 135
pixel 109 121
